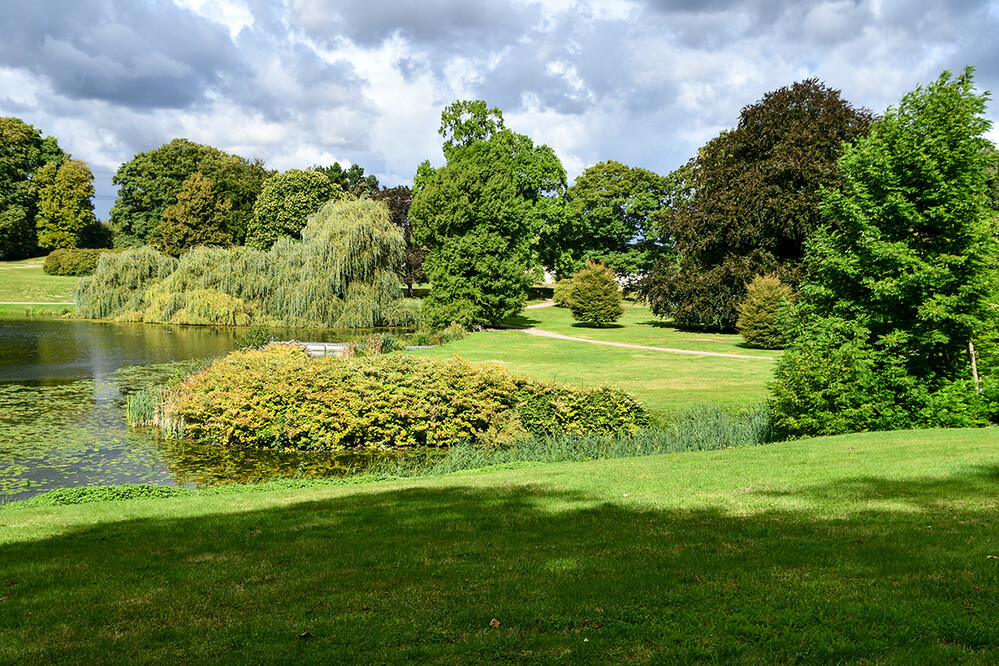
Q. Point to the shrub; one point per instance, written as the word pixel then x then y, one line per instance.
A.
pixel 594 297
pixel 279 397
pixel 758 314
pixel 76 262
pixel 560 293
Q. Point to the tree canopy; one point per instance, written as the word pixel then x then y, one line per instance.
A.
pixel 902 284
pixel 150 182
pixel 65 207
pixel 23 151
pixel 285 204
pixel 399 199
pixel 610 218
pixel 749 201
pixel 480 215
pixel 351 180
pixel 200 217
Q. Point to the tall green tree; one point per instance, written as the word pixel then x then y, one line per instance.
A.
pixel 200 217
pixel 611 218
pixel 23 151
pixel 751 200
pixel 480 215
pixel 65 206
pixel 399 199
pixel 903 281
pixel 150 182
pixel 285 203
pixel 351 180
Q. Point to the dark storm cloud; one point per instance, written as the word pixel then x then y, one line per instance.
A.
pixel 445 24
pixel 137 54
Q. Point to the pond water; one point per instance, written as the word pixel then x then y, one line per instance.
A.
pixel 63 385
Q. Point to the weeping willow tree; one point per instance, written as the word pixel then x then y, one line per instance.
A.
pixel 344 273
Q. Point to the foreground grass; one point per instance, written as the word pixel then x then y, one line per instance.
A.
pixel 638 326
pixel 663 381
pixel 871 548
pixel 26 281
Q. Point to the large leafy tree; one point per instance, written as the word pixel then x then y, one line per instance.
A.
pixel 749 201
pixel 399 199
pixel 351 180
pixel 65 207
pixel 150 182
pixel 480 214
pixel 23 151
pixel 902 283
pixel 610 218
pixel 285 204
pixel 200 217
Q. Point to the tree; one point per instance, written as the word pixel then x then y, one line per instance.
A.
pixel 759 314
pixel 399 199
pixel 23 152
pixel 748 202
pixel 594 297
pixel 200 217
pixel 479 215
pixel 150 182
pixel 351 180
pixel 285 204
pixel 902 282
pixel 65 209
pixel 611 216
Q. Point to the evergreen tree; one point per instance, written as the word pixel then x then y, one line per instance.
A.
pixel 200 217
pixel 594 296
pixel 903 281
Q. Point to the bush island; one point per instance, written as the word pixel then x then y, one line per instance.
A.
pixel 280 397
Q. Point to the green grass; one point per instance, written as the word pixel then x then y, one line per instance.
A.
pixel 26 281
pixel 638 326
pixel 663 381
pixel 857 549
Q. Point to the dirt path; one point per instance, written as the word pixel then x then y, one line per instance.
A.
pixel 559 336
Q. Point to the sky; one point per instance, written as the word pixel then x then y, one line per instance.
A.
pixel 302 82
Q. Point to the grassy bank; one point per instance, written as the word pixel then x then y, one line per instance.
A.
pixel 854 549
pixel 26 281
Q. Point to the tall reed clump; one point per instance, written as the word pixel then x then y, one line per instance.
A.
pixel 343 274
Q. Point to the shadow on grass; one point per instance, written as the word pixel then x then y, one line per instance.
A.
pixel 417 575
pixel 522 320
pixel 591 326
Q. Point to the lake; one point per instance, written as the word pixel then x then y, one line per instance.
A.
pixel 63 385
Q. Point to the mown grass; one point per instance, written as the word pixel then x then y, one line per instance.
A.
pixel 25 281
pixel 638 326
pixel 857 549
pixel 663 381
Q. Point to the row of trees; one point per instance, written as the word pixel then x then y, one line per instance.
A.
pixel 45 195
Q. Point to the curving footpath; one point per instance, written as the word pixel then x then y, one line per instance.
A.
pixel 559 336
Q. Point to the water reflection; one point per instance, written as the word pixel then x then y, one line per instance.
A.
pixel 62 424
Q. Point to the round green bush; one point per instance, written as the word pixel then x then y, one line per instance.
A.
pixel 759 313
pixel 594 296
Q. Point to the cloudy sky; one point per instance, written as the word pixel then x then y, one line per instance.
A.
pixel 303 82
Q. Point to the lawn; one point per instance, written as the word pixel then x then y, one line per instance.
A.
pixel 638 326
pixel 877 548
pixel 24 281
pixel 663 381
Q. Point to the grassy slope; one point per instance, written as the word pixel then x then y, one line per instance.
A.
pixel 661 380
pixel 859 548
pixel 18 283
